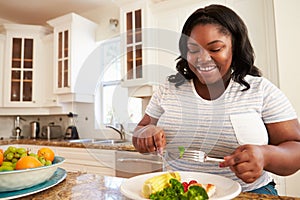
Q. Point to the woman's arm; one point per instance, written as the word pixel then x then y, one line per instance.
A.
pixel 147 137
pixel 281 156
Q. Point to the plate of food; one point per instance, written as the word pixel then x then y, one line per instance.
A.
pixel 216 187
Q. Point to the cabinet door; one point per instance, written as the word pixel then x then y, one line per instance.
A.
pixel 134 58
pixel 21 70
pixel 63 64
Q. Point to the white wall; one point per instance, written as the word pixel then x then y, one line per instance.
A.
pixel 287 17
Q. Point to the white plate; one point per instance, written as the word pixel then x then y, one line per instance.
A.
pixel 225 187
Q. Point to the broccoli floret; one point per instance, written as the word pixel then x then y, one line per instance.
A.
pixel 176 192
pixel 196 192
pixel 176 186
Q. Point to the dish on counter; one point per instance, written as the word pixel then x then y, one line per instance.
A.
pixel 59 175
pixel 25 178
pixel 225 187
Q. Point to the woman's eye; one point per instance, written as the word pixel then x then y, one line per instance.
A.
pixel 193 50
pixel 215 50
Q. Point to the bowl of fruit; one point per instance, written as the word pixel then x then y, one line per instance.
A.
pixel 20 168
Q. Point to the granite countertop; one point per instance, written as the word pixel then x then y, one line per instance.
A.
pixel 124 146
pixel 85 186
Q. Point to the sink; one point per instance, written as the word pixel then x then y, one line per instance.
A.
pixel 97 141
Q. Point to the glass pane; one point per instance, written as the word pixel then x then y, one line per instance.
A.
pixel 16 52
pixel 59 75
pixel 107 106
pixel 15 75
pixel 66 82
pixel 113 71
pixel 135 109
pixel 28 49
pixel 27 75
pixel 129 27
pixel 138 26
pixel 66 44
pixel 138 62
pixel 15 85
pixel 27 91
pixel 129 63
pixel 15 91
pixel 60 45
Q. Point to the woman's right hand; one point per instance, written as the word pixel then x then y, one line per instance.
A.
pixel 148 139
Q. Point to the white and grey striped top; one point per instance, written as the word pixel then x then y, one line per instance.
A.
pixel 191 121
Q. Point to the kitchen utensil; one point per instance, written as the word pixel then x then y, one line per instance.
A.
pixel 199 156
pixel 71 132
pixel 35 129
pixel 51 132
pixel 166 164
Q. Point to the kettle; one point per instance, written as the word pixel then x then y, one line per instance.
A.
pixel 35 129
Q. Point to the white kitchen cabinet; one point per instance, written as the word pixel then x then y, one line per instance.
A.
pixel 74 40
pixel 136 55
pixel 2 53
pixel 23 65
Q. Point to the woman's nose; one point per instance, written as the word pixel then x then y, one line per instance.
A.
pixel 203 56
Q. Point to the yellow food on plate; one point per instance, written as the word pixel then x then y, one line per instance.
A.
pixel 158 183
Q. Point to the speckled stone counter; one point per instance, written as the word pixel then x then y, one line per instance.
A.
pixel 78 186
pixel 126 146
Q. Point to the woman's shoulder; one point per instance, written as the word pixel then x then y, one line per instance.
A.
pixel 259 80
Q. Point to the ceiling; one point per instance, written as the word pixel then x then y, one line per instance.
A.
pixel 37 12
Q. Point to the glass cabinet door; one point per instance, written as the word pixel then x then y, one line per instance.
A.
pixel 21 70
pixel 63 60
pixel 134 45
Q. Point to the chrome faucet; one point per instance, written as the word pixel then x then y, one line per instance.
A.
pixel 121 131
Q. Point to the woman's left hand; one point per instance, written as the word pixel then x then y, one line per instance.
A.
pixel 247 162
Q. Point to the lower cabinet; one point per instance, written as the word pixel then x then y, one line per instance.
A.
pixel 129 164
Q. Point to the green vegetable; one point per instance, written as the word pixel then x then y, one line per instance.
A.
pixel 176 192
pixel 196 192
pixel 181 151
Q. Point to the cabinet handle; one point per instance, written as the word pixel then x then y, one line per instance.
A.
pixel 139 160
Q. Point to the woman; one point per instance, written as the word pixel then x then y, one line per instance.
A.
pixel 219 103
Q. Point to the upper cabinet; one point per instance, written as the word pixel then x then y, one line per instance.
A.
pixel 135 17
pixel 74 41
pixel 23 65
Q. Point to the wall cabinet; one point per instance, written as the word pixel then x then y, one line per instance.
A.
pixel 23 65
pixel 74 41
pixel 135 17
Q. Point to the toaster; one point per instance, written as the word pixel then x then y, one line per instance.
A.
pixel 51 132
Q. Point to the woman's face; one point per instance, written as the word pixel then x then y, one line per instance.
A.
pixel 209 53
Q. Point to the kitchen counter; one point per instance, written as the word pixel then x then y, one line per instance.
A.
pixel 126 146
pixel 79 185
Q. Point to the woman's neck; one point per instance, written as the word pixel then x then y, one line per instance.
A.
pixel 212 91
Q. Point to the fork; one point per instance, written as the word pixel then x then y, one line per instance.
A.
pixel 199 156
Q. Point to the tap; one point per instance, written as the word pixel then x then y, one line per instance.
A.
pixel 121 131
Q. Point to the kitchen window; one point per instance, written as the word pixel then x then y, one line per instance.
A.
pixel 115 104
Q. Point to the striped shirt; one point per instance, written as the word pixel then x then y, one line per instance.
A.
pixel 218 126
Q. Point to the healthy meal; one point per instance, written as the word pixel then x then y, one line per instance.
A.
pixel 169 186
pixel 16 158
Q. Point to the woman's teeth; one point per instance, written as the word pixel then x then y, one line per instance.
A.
pixel 207 68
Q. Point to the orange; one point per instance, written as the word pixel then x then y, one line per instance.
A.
pixel 1 157
pixel 47 153
pixel 28 162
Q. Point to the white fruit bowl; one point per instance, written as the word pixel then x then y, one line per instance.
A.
pixel 25 178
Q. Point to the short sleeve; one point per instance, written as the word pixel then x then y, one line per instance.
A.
pixel 276 106
pixel 154 108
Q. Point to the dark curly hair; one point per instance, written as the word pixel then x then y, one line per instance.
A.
pixel 230 24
